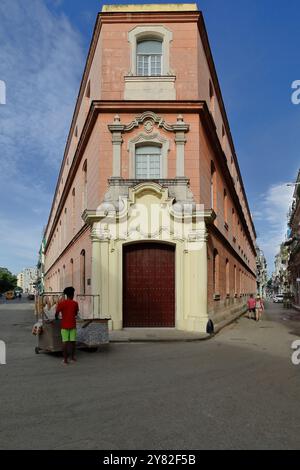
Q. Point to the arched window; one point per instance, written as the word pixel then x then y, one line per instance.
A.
pixel 235 281
pixel 213 186
pixel 211 98
pixel 240 290
pixel 148 164
pixel 73 211
pixel 149 57
pixel 72 271
pixel 82 272
pixel 65 227
pixel 87 97
pixel 60 237
pixel 232 169
pixel 227 278
pixel 84 186
pixel 64 277
pixel 223 137
pixel 234 224
pixel 225 207
pixel 216 272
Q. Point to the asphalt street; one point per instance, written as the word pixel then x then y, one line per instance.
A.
pixel 238 390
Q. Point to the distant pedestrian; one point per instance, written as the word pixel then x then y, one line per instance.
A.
pixel 259 308
pixel 69 310
pixel 251 306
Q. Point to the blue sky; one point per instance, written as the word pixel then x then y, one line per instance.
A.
pixel 43 46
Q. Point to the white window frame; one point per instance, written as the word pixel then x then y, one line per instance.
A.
pixel 140 33
pixel 144 139
pixel 148 57
pixel 148 157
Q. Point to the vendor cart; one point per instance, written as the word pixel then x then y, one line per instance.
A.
pixel 92 330
pixel 47 329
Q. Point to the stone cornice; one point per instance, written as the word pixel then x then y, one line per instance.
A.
pixel 147 79
pixel 150 17
pixel 92 216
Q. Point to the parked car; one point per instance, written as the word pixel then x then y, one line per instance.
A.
pixel 30 297
pixel 278 298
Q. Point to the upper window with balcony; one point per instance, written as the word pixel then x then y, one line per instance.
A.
pixel 150 63
pixel 149 58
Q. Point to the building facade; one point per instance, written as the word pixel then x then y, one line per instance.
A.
pixel 26 280
pixel 280 277
pixel 150 216
pixel 40 285
pixel 261 273
pixel 292 246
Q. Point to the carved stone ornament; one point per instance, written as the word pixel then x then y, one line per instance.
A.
pixel 148 126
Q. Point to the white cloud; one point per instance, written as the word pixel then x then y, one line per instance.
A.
pixel 41 61
pixel 21 226
pixel 271 219
pixel 20 240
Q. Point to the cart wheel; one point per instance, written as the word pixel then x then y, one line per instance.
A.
pixel 37 350
pixel 93 349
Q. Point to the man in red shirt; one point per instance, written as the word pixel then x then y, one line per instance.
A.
pixel 251 306
pixel 69 310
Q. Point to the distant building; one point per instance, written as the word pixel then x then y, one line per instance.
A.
pixel 294 244
pixel 261 272
pixel 20 280
pixel 280 281
pixel 26 280
pixel 150 131
pixel 40 286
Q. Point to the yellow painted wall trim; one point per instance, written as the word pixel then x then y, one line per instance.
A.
pixel 150 7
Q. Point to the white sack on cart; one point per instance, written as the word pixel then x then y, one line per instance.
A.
pixel 49 313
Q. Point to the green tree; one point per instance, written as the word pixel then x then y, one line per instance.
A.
pixel 7 280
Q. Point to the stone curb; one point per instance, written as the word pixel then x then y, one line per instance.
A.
pixel 161 340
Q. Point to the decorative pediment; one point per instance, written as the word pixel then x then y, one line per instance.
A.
pixel 155 137
pixel 149 118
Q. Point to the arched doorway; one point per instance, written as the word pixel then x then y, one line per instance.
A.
pixel 149 285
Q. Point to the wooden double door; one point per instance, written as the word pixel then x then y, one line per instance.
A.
pixel 148 285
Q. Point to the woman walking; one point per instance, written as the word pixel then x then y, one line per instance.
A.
pixel 259 308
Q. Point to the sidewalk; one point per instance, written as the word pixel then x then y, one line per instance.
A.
pixel 154 334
